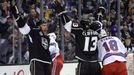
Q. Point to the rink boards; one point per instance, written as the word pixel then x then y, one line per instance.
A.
pixel 68 68
pixel 15 70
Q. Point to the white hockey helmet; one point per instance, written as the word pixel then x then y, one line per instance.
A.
pixel 52 36
pixel 103 33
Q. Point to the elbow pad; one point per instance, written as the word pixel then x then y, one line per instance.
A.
pixel 21 22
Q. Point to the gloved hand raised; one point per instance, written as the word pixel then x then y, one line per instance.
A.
pixel 14 11
pixel 57 6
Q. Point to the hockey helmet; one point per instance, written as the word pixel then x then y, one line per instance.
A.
pixel 96 26
pixel 103 33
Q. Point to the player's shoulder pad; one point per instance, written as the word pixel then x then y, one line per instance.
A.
pixel 115 38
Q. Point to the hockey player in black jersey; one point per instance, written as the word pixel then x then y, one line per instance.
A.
pixel 86 37
pixel 40 59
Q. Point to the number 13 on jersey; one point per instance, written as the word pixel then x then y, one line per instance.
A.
pixel 90 43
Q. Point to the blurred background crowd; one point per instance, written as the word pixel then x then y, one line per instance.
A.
pixel 117 17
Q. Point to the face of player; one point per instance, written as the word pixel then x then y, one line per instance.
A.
pixel 44 27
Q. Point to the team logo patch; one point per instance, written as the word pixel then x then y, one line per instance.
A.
pixel 44 42
pixel 75 25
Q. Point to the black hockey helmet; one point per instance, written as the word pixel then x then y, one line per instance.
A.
pixel 41 22
pixel 96 26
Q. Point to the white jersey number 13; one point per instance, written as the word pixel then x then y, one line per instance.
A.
pixel 92 46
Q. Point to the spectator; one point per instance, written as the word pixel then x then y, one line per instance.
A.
pixel 32 17
pixel 69 46
pixel 14 59
pixel 126 36
pixel 5 11
pixel 113 29
pixel 131 7
pixel 7 27
pixel 7 49
pixel 131 28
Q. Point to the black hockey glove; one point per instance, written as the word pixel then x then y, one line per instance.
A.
pixel 56 5
pixel 14 11
pixel 21 22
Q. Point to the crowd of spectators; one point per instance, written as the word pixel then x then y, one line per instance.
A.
pixel 14 46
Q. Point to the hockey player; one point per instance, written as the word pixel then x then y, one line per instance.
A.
pixel 112 53
pixel 86 37
pixel 39 54
pixel 57 62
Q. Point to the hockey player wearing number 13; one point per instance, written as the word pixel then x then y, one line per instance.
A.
pixel 112 53
pixel 86 37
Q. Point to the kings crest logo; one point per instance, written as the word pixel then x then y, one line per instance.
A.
pixel 75 24
pixel 44 43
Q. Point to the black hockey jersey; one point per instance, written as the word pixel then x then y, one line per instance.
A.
pixel 86 42
pixel 39 46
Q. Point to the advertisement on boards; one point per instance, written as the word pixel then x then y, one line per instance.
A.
pixel 68 69
pixel 15 70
